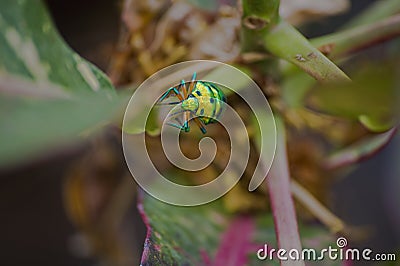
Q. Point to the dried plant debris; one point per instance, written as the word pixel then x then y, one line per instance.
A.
pixel 160 34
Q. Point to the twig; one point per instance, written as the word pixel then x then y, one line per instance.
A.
pixel 359 151
pixel 264 30
pixel 361 37
pixel 278 184
pixel 286 42
pixel 334 223
pixel 376 11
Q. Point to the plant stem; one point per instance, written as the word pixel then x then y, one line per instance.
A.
pixel 359 151
pixel 260 14
pixel 376 11
pixel 286 42
pixel 278 184
pixel 334 223
pixel 338 45
pixel 264 30
pixel 354 39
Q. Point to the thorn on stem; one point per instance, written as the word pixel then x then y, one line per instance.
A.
pixel 327 48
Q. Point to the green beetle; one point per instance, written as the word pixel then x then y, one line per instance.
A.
pixel 199 100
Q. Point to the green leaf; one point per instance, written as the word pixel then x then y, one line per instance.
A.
pixel 152 123
pixel 30 47
pixel 173 232
pixel 295 87
pixel 48 93
pixel 371 98
pixel 30 127
pixel 209 235
pixel 359 150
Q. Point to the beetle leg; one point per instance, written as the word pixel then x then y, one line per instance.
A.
pixel 192 83
pixel 200 124
pixel 179 125
pixel 168 93
pixel 186 123
pixel 184 90
pixel 173 90
pixel 175 125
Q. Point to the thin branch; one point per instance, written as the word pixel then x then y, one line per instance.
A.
pixel 286 42
pixel 347 41
pixel 359 151
pixel 278 184
pixel 376 11
pixel 264 30
pixel 260 14
pixel 334 223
